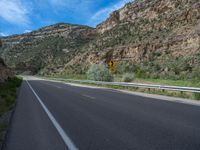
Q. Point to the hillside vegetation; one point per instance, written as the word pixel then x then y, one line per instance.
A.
pixel 7 101
pixel 150 38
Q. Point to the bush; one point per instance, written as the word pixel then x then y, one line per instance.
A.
pixel 128 77
pixel 99 72
pixel 8 93
pixel 120 68
pixel 196 74
pixel 140 73
pixel 197 96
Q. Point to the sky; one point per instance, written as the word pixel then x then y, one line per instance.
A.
pixel 21 16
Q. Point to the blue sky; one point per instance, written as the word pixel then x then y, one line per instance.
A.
pixel 20 16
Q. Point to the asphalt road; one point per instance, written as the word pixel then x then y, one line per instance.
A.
pixel 56 116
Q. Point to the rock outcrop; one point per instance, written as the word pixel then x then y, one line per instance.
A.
pixel 5 72
pixel 49 47
pixel 157 36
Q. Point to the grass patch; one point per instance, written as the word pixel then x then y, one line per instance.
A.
pixel 8 93
pixel 7 99
pixel 196 96
pixel 186 83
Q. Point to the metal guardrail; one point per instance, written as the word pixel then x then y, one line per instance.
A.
pixel 138 85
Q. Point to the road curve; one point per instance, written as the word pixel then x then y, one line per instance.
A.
pixel 99 119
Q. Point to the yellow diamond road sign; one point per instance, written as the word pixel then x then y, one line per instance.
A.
pixel 112 65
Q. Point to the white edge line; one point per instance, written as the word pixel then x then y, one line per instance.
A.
pixel 69 143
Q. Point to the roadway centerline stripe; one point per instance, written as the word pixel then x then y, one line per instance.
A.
pixel 88 96
pixel 69 143
pixel 52 85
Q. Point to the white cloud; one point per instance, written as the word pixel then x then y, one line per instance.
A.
pixel 3 34
pixel 104 13
pixel 27 31
pixel 14 12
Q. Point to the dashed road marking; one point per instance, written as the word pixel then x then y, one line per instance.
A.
pixel 52 85
pixel 88 96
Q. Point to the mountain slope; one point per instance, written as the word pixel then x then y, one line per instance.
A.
pixel 48 47
pixel 158 37
pixel 154 38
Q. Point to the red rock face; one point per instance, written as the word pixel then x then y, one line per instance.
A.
pixel 148 30
pixel 151 9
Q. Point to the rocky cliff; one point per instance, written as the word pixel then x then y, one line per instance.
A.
pixel 5 72
pixel 49 47
pixel 158 37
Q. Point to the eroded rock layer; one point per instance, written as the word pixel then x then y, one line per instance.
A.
pixel 157 36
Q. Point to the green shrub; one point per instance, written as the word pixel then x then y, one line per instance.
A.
pixel 99 72
pixel 196 74
pixel 128 77
pixel 120 68
pixel 10 100
pixel 140 73
pixel 197 96
pixel 8 93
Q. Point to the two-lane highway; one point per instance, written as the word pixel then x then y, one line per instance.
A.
pixel 57 116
